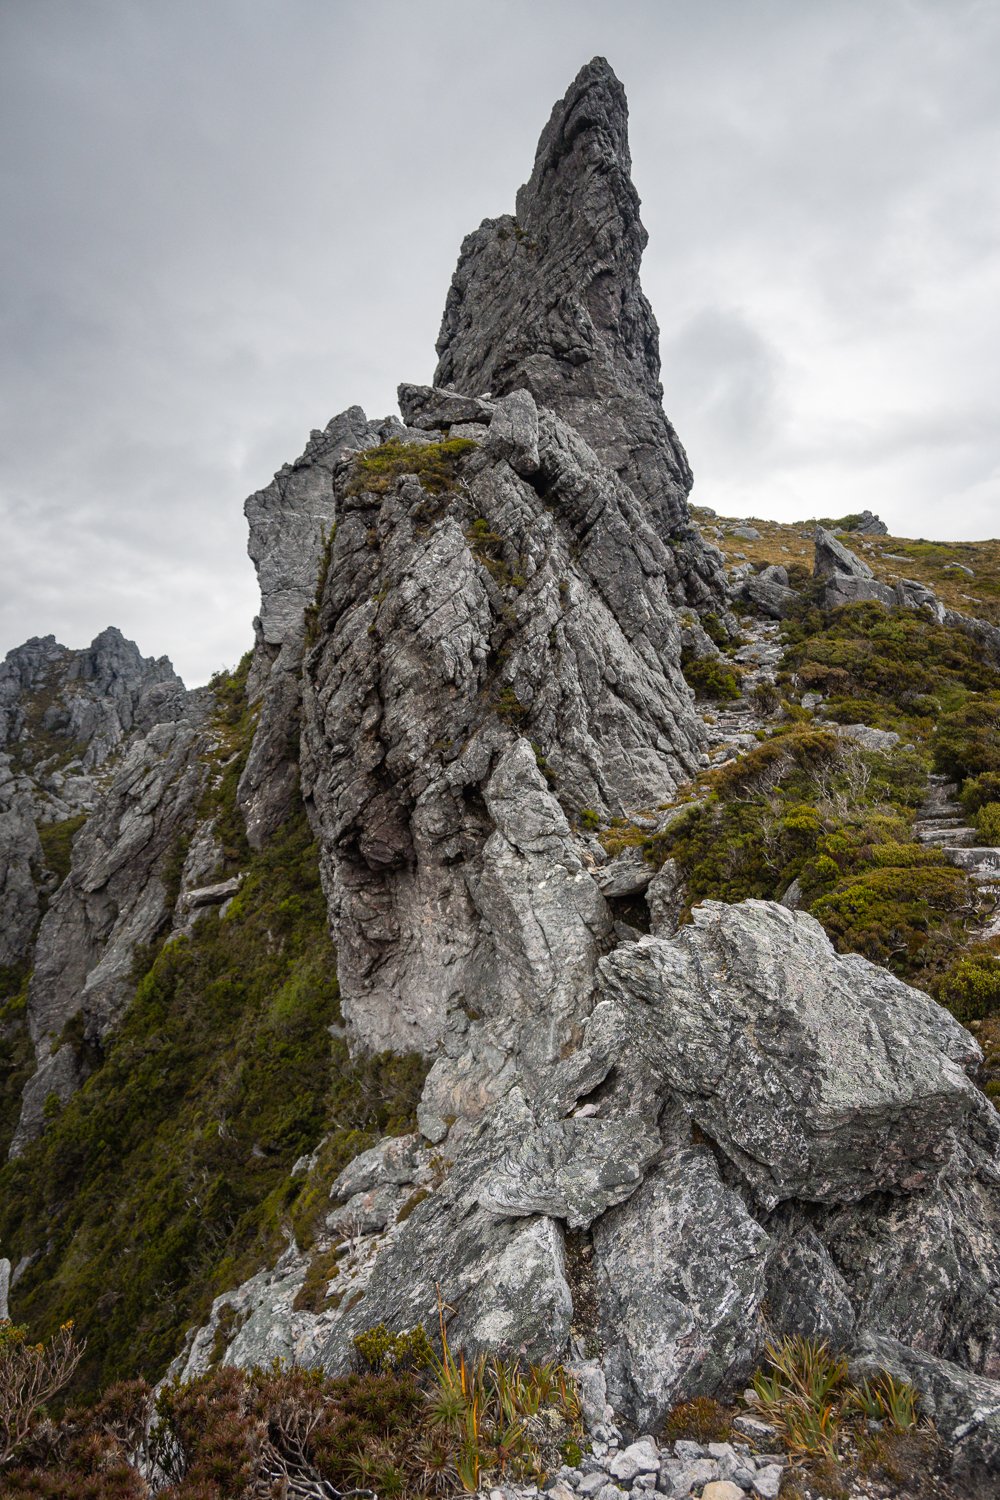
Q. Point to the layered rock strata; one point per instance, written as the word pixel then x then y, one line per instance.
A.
pixel 549 301
pixel 479 647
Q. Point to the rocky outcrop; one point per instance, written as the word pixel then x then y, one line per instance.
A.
pixel 58 705
pixel 849 580
pixel 788 1059
pixel 113 900
pixel 549 301
pixel 290 523
pixel 867 523
pixel 512 622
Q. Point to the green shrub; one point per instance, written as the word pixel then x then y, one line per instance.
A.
pixel 971 987
pixel 713 677
pixel 967 741
pixel 987 822
pixel 978 790
pixel 907 918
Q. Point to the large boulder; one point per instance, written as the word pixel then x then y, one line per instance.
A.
pixel 833 557
pixel 821 1077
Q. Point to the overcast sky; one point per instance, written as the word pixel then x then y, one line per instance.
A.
pixel 222 221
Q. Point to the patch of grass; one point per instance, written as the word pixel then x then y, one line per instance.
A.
pixel 435 465
pixel 56 840
pixel 806 1395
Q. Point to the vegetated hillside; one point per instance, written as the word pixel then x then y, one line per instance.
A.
pixel 964 575
pixel 842 817
pixel 167 1175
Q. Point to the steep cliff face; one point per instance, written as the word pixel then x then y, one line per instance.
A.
pixel 510 615
pixel 549 301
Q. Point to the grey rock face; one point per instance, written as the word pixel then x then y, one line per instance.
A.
pixel 550 302
pixel 290 523
pixel 113 900
pixel 21 862
pixel 833 557
pixel 821 1077
pixel 453 626
pixel 807 1295
pixel 571 1169
pixel 774 599
pixel 680 1276
pixel 505 1277
pixel 843 589
pixel 924 1268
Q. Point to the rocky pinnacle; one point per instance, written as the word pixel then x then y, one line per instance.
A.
pixel 550 301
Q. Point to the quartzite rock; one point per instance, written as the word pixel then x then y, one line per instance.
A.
pixel 290 523
pixel 680 1278
pixel 571 1169
pixel 822 1077
pixel 452 626
pixel 550 302
pixel 833 557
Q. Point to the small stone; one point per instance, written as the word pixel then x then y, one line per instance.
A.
pixel 560 1491
pixel 754 1428
pixel 644 1482
pixel 692 1476
pixel 722 1489
pixel 637 1458
pixel 744 1477
pixel 611 1492
pixel 592 1484
pixel 767 1482
pixel 689 1451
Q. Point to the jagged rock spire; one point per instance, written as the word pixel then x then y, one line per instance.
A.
pixel 551 301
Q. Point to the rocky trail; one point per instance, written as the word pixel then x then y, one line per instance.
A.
pixel 942 824
pixel 731 728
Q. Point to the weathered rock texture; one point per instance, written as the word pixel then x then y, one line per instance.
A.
pixel 518 620
pixel 675 1144
pixel 113 740
pixel 847 1171
pixel 549 301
